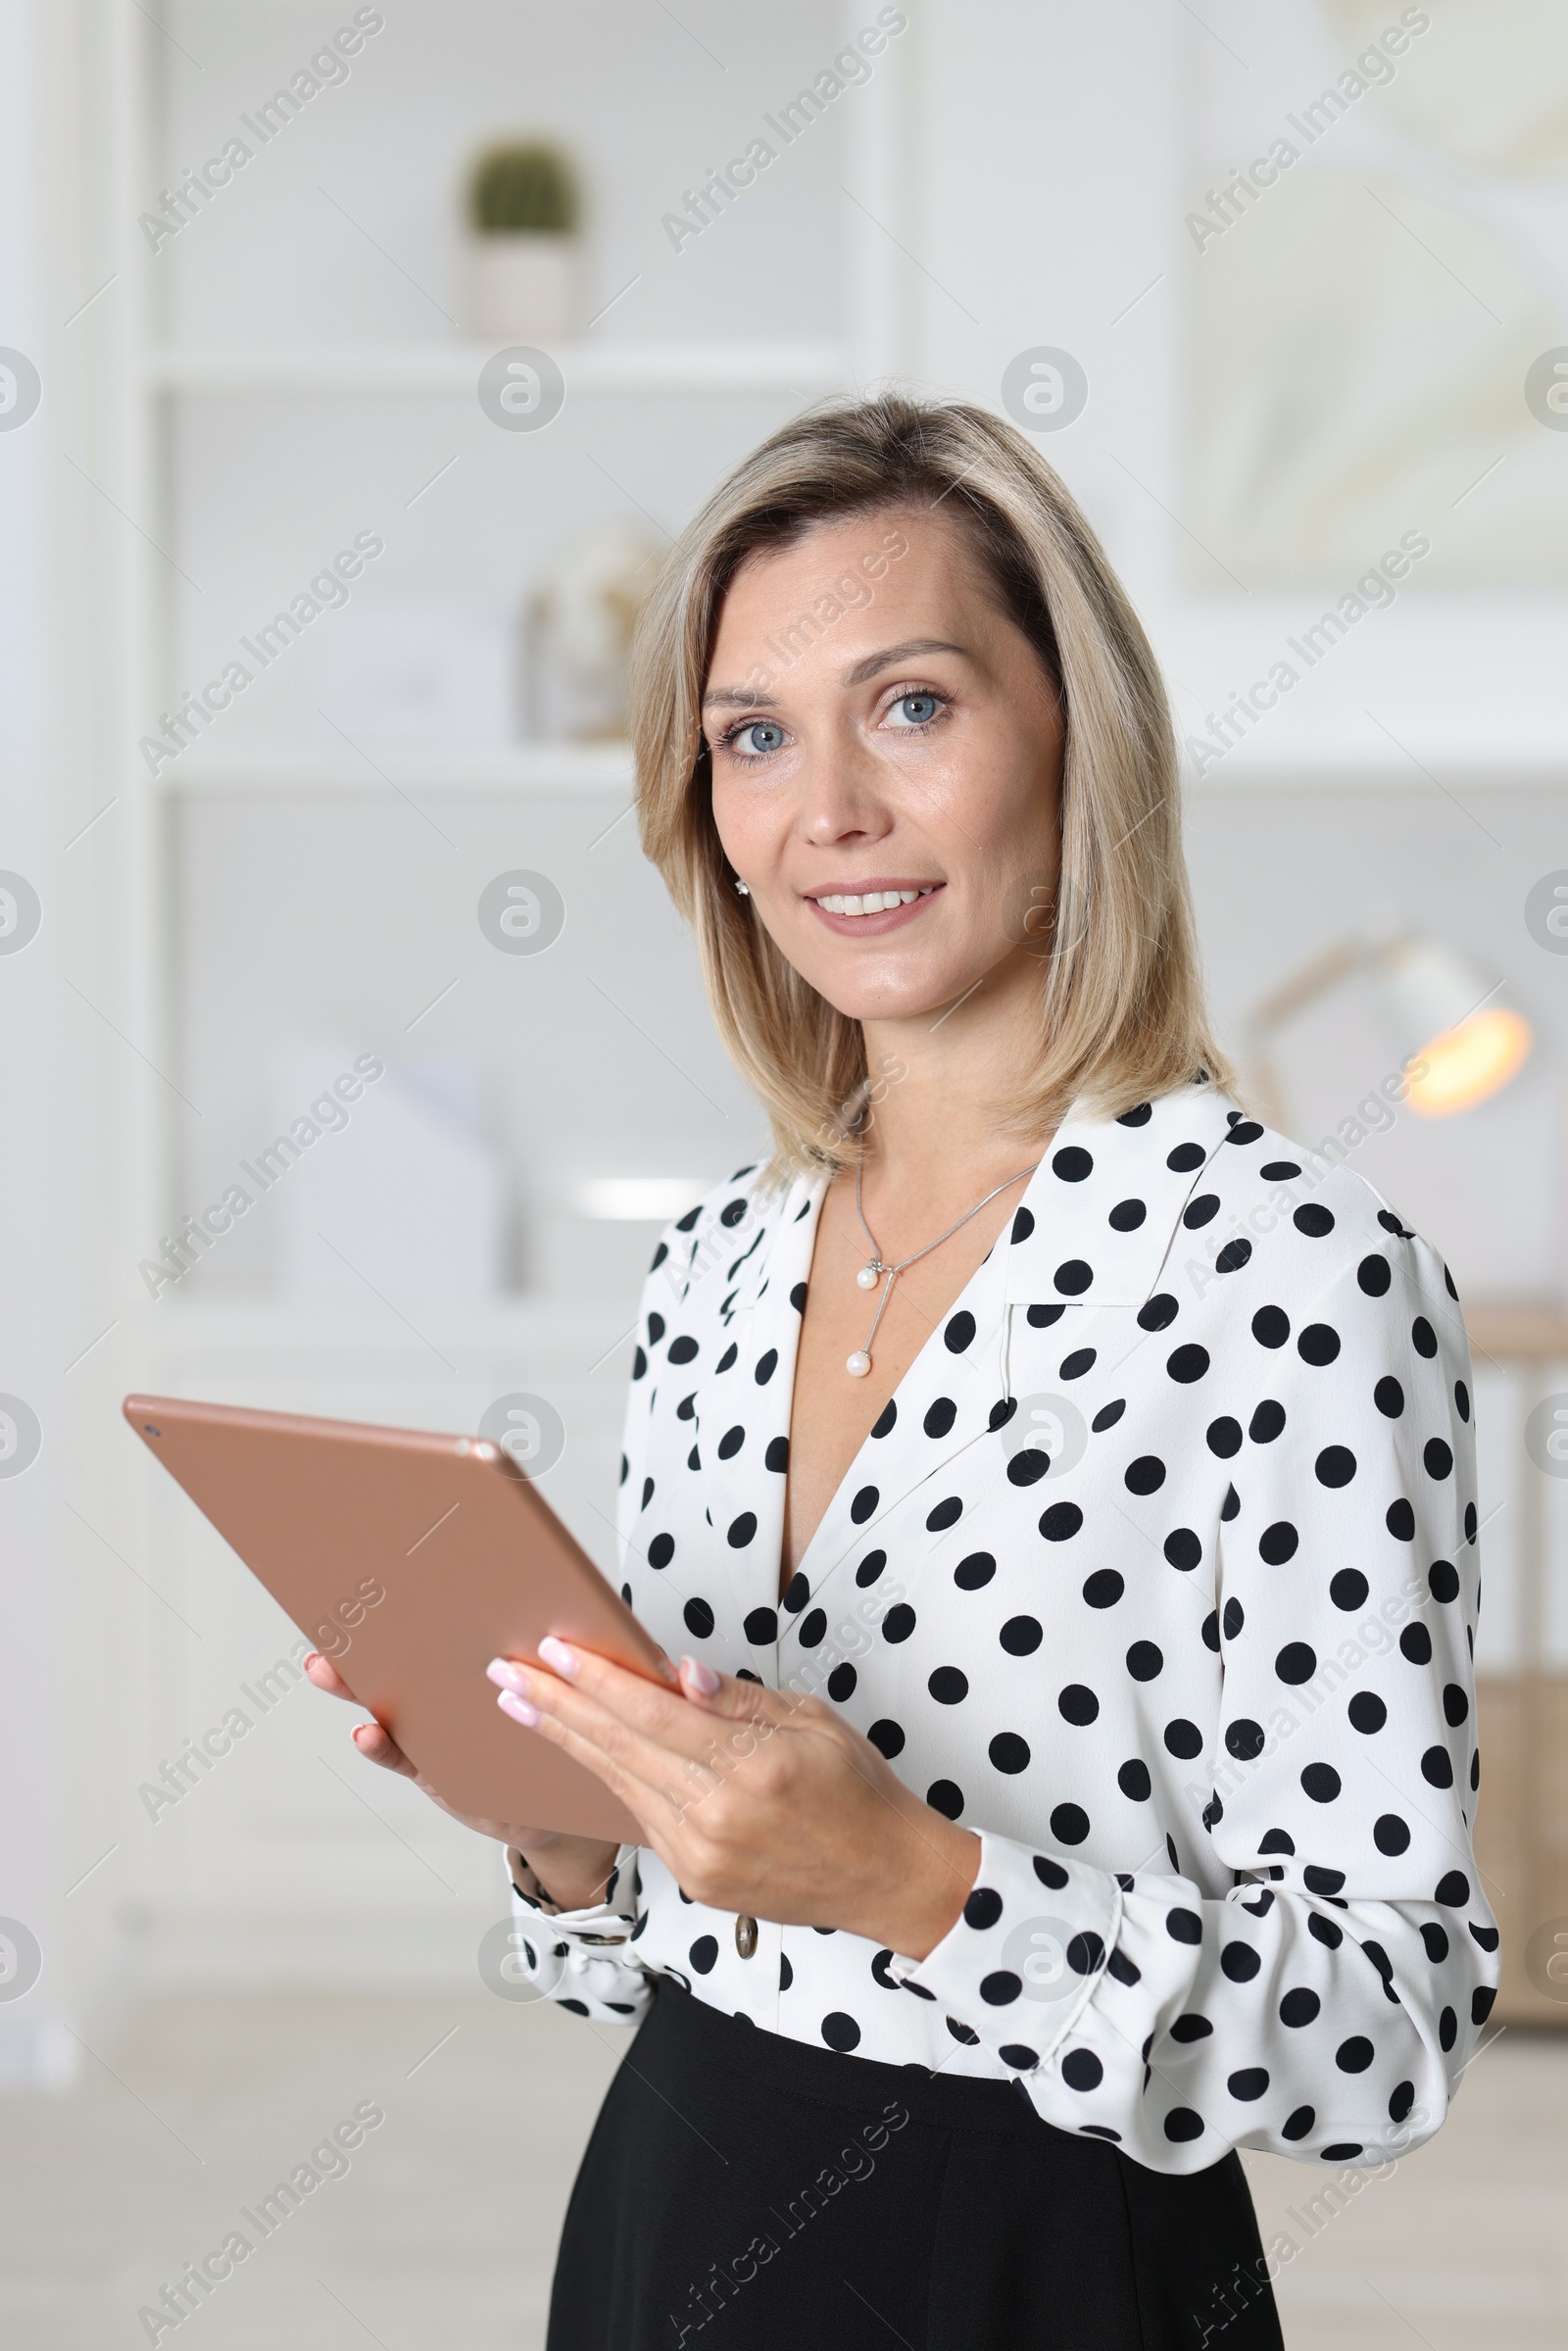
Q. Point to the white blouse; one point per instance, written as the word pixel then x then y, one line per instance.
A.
pixel 1158 1572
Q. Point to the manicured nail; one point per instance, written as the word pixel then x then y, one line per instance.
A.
pixel 555 1655
pixel 702 1677
pixel 505 1673
pixel 518 1708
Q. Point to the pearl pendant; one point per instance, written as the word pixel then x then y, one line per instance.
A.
pixel 858 1364
pixel 869 1275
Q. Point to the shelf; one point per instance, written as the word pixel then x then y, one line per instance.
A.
pixel 412 367
pixel 506 767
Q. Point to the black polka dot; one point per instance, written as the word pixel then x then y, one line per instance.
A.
pixel 1295 1662
pixel 1146 1474
pixel 812 1626
pixel 1240 1962
pixel 1184 1740
pixel 1224 1436
pixel 1050 1872
pixel 1061 1522
pixel 662 1550
pixel 939 1416
pixel 1415 1645
pixel 886 1420
pixel 1390 1835
pixel 1072 1163
pixel 1244 1738
pixel 1319 1344
pixel 899 1623
pixel 702 1953
pixel 1070 1822
pixel 959 1333
pixel 1134 1781
pixel 977 1570
pixel 1157 1313
pixel 983 1907
pixel 1321 1783
pixel 1298 2124
pixel 1183 1549
pixel 1300 2007
pixel 1001 1990
pixel 1271 1326
pixel 777 1457
pixel 1443 1581
pixel 1182 2123
pixel 1200 1211
pixel 841 1683
pixel 870 1568
pixel 1354 2055
pixel 760 1627
pixel 797 1592
pixel 1081 2069
pixel 865 1504
pixel 1184 1926
pixel 1146 1660
pixel 1021 1636
pixel 1104 1588
pixel 1348 1588
pixel 1127 1216
pixel 766 1366
pixel 841 2031
pixel 682 1350
pixel 1367 1712
pixel 1247 2083
pixel 697 1618
pixel 1374 1276
pixel 948 1685
pixel 887 1738
pixel 1278 1542
pixel 1073 1277
pixel 1313 1219
pixel 1335 1465
pixel 1187 1363
pixel 945 1796
pixel 1437 1458
pixel 947 1513
pixel 741 1530
pixel 1078 1705
pixel 1437 1767
pixel 1008 1753
pixel 1023 1224
pixel 1389 1398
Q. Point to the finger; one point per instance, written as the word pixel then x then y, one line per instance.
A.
pixel 326 1676
pixel 649 1731
pixel 379 1746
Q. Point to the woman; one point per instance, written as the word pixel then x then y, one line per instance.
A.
pixel 1060 1488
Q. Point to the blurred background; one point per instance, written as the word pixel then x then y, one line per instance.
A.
pixel 357 366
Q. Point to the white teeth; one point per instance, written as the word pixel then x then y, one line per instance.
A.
pixel 870 902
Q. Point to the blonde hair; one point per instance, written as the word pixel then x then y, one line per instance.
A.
pixel 1122 1015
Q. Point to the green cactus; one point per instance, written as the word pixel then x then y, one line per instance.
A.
pixel 524 187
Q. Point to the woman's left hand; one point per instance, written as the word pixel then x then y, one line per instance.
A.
pixel 756 1800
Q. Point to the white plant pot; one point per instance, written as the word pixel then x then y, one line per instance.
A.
pixel 523 286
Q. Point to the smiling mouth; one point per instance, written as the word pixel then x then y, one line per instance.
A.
pixel 861 902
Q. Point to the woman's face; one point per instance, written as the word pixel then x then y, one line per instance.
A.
pixel 879 727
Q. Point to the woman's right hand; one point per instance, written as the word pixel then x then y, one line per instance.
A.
pixel 573 1869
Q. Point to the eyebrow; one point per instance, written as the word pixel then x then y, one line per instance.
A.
pixel 737 698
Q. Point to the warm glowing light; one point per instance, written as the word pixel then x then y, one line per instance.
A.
pixel 1468 1062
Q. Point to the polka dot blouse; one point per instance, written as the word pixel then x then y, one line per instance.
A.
pixel 1160 1573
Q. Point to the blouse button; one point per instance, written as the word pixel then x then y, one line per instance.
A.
pixel 745 1935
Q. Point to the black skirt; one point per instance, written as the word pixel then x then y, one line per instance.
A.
pixel 742 2190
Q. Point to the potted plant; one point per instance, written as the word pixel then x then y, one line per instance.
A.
pixel 523 212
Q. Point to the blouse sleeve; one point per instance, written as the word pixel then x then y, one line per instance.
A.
pixel 1326 2005
pixel 584 1960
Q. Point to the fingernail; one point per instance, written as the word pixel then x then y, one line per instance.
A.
pixel 518 1708
pixel 702 1677
pixel 505 1673
pixel 555 1655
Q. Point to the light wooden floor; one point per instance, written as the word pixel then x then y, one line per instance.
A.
pixel 442 2233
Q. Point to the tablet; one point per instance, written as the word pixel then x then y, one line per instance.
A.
pixel 411 1559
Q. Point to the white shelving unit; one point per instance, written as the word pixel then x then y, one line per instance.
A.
pixel 277 1876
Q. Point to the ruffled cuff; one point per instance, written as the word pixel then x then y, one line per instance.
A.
pixel 1026 1953
pixel 607 1921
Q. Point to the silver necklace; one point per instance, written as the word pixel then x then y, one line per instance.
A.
pixel 871 1274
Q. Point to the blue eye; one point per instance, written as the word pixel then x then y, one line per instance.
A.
pixel 765 735
pixel 918 709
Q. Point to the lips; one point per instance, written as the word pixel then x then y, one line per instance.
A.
pixel 874 906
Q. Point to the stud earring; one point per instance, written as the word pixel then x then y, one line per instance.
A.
pixel 742 889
